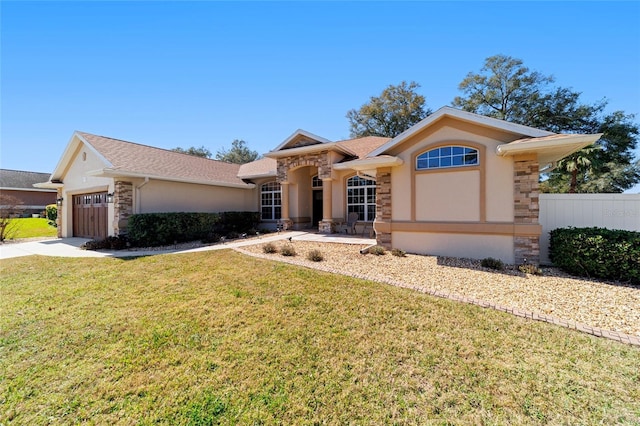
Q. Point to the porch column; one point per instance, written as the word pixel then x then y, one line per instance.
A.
pixel 284 214
pixel 382 224
pixel 326 225
pixel 526 239
pixel 122 206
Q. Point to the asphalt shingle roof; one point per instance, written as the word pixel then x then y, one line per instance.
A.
pixel 21 179
pixel 130 157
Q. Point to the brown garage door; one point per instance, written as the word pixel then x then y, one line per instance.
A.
pixel 90 215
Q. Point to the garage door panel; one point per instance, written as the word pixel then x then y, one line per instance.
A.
pixel 90 215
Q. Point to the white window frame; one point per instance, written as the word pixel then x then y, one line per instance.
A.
pixel 444 157
pixel 361 197
pixel 271 199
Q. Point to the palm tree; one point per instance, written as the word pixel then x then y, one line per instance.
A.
pixel 579 162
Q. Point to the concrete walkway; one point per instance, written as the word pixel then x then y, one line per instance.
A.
pixel 70 247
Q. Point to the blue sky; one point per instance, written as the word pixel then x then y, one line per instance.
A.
pixel 187 74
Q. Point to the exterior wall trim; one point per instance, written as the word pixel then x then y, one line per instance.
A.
pixel 495 228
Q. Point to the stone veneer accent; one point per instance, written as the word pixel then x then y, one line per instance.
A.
pixel 123 206
pixel 319 160
pixel 526 208
pixel 383 207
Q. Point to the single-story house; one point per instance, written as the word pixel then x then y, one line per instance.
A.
pixel 19 184
pixel 455 184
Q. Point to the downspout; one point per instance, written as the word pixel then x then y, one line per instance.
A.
pixel 138 202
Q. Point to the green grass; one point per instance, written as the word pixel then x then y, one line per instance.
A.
pixel 30 227
pixel 221 338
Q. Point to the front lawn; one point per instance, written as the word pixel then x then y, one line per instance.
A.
pixel 219 337
pixel 30 227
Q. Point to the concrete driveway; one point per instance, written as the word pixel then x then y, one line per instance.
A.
pixel 70 247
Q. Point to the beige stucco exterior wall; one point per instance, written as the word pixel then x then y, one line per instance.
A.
pixel 164 196
pixel 456 245
pixel 453 196
pixel 480 195
pixel 77 181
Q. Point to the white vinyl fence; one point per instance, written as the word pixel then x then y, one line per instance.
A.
pixel 612 211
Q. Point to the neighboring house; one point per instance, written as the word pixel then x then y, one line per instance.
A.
pixel 19 184
pixel 455 184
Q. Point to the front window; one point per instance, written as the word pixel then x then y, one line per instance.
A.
pixel 271 201
pixel 361 198
pixel 316 182
pixel 447 156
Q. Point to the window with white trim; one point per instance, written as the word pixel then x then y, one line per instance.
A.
pixel 447 156
pixel 361 198
pixel 316 182
pixel 270 201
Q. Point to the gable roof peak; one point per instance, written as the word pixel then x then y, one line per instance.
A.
pixel 447 111
pixel 298 134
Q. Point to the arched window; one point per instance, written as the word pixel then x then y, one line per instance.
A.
pixel 316 182
pixel 447 156
pixel 270 201
pixel 361 198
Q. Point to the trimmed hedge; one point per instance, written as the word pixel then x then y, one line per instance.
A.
pixel 157 229
pixel 597 252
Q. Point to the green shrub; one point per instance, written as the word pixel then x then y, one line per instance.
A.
pixel 315 256
pixel 269 248
pixel 377 250
pixel 399 253
pixel 51 212
pixel 157 229
pixel 491 263
pixel 597 252
pixel 288 250
pixel 211 237
pixel 109 243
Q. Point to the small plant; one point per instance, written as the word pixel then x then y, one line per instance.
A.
pixel 269 248
pixel 398 252
pixel 315 256
pixel 528 268
pixel 491 263
pixel 288 250
pixel 377 250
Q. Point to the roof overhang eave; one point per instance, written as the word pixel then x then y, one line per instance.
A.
pixel 123 173
pixel 309 149
pixel 569 143
pixel 549 152
pixel 259 175
pixel 48 185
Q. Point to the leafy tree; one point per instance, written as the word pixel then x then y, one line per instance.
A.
pixel 508 90
pixel 238 154
pixel 394 111
pixel 198 152
pixel 503 89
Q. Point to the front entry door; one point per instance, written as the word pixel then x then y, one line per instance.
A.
pixel 317 208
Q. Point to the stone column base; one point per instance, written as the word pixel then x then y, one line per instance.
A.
pixel 326 227
pixel 285 224
pixel 527 250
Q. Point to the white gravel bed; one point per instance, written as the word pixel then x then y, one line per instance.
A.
pixel 607 305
